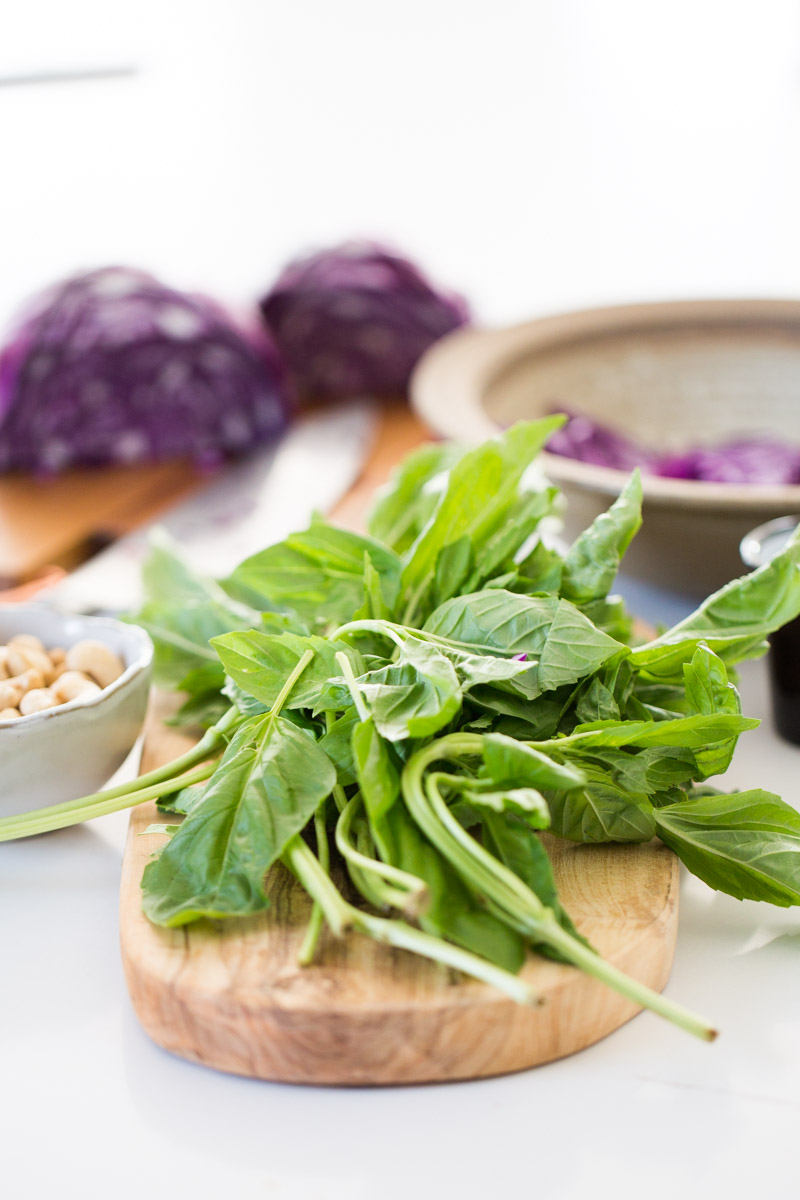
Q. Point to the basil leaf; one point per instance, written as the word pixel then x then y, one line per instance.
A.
pixel 648 771
pixel 526 802
pixel 376 774
pixel 266 788
pixel 452 912
pixel 746 844
pixel 168 579
pixel 597 703
pixel 592 562
pixel 611 616
pixel 734 621
pixel 319 574
pixel 260 664
pixel 454 565
pixel 415 697
pixel 246 704
pixel 375 606
pixel 573 648
pixel 532 721
pixel 406 504
pixel 204 703
pixel 561 643
pixel 520 848
pixel 540 571
pixel 708 691
pixel 481 489
pixel 337 743
pixel 475 669
pixel 520 522
pixel 692 733
pixel 200 711
pixel 601 811
pixel 182 611
pixel 509 762
pixel 495 620
pixel 515 844
pixel 182 801
pixel 182 633
pixel 283 622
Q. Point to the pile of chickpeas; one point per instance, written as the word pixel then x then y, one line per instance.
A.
pixel 33 678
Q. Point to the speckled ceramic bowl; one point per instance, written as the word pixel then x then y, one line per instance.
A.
pixel 670 376
pixel 62 753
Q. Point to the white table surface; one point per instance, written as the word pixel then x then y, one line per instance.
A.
pixel 540 155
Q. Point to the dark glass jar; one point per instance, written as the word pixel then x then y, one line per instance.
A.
pixel 757 548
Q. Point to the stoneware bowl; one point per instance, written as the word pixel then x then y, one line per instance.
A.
pixel 670 376
pixel 62 753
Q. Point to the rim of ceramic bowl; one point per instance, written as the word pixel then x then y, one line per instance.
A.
pixel 141 660
pixel 450 380
pixel 753 544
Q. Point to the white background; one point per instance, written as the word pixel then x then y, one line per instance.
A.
pixel 538 155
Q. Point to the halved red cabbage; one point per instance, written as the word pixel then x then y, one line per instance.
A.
pixel 355 319
pixel 114 367
pixel 742 461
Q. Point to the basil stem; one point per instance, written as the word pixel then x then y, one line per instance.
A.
pixel 145 787
pixel 340 916
pixel 509 894
pixel 44 820
pixel 311 940
pixel 396 888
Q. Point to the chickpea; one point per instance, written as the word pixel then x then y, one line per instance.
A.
pixel 25 658
pixel 71 684
pixel 27 641
pixel 40 662
pixel 36 700
pixel 28 679
pixel 16 660
pixel 33 678
pixel 96 660
pixel 55 673
pixel 11 692
pixel 91 689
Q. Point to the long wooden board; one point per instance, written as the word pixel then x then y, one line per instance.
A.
pixel 231 995
pixel 55 520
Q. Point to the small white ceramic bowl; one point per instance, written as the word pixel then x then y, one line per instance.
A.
pixel 62 753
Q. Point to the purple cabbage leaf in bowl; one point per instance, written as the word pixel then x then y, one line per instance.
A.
pixel 754 460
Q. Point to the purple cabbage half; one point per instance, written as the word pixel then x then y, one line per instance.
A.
pixel 113 367
pixel 355 319
pixel 756 460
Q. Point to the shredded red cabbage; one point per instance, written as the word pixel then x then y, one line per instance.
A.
pixel 355 319
pixel 755 460
pixel 761 460
pixel 114 367
pixel 586 440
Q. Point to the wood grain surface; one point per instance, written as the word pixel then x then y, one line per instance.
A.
pixel 56 520
pixel 231 995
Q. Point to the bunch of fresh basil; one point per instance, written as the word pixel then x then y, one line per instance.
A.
pixel 429 698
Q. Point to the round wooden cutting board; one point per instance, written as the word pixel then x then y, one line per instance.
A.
pixel 232 996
